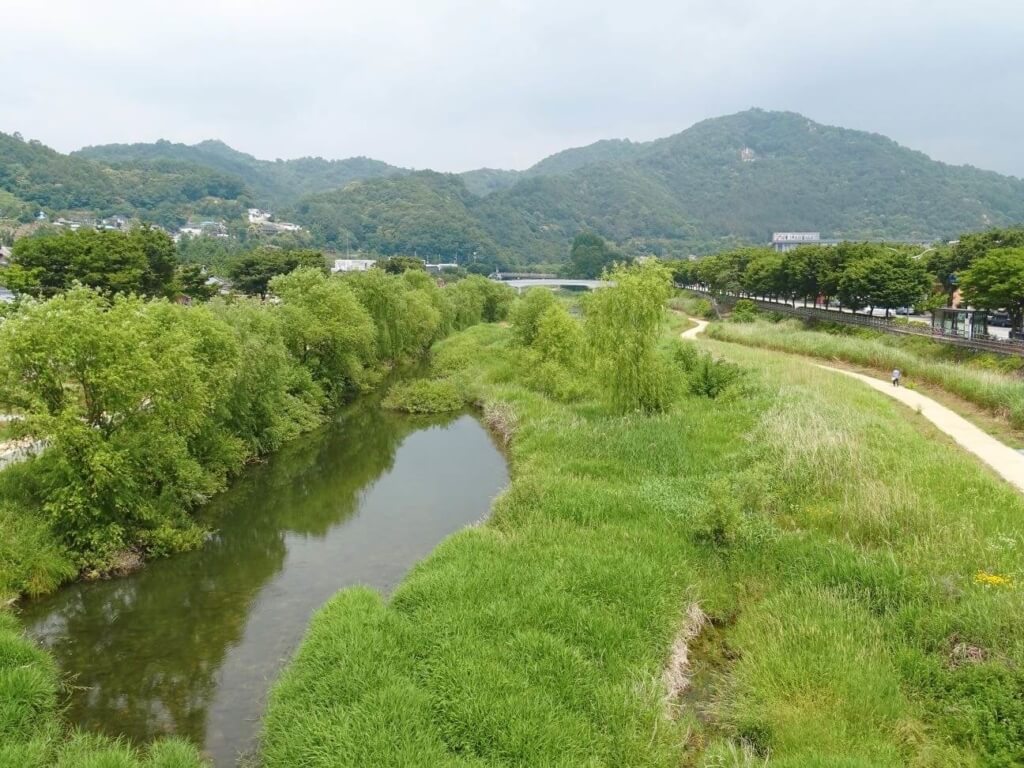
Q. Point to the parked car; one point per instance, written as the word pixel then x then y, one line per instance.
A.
pixel 904 311
pixel 999 319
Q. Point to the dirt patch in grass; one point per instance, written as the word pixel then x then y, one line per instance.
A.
pixel 676 676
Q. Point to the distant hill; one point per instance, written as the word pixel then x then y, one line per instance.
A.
pixel 272 183
pixel 721 182
pixel 35 177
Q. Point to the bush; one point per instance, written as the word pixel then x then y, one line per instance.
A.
pixel 526 314
pixel 705 376
pixel 559 337
pixel 745 311
pixel 425 396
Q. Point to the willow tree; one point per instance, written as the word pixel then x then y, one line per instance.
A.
pixel 623 323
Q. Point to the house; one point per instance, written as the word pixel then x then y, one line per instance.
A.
pixel 352 265
pixel 258 216
pixel 222 286
pixel 114 222
pixel 277 227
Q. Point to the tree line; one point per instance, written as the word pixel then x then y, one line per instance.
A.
pixel 147 407
pixel 986 268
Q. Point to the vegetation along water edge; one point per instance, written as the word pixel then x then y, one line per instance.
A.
pixel 848 579
pixel 147 408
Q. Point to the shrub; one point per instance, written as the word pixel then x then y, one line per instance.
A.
pixel 705 376
pixel 559 337
pixel 527 312
pixel 745 311
pixel 425 396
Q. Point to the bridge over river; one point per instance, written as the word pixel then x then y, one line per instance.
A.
pixel 522 284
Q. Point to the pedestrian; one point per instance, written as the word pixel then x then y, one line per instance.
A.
pixel 896 377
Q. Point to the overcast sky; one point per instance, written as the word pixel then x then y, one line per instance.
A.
pixel 459 84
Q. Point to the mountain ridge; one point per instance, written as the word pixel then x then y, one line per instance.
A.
pixel 723 181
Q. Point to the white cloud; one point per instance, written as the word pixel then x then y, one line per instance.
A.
pixel 454 84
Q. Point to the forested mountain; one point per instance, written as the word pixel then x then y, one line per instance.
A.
pixel 36 177
pixel 722 182
pixel 272 183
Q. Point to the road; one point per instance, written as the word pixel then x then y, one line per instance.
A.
pixel 1007 463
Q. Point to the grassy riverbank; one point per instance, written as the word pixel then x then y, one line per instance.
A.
pixel 861 577
pixel 147 410
pixel 999 391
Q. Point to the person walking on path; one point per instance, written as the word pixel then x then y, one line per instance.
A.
pixel 896 377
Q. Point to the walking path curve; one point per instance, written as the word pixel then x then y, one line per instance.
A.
pixel 1008 463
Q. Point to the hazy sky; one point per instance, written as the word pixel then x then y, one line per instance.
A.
pixel 458 84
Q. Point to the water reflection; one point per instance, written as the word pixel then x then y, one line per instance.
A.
pixel 189 645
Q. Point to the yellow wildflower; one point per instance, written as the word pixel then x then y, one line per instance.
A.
pixel 992 579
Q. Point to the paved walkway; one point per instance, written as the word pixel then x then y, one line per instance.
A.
pixel 1008 463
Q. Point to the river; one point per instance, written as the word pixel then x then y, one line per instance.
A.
pixel 190 645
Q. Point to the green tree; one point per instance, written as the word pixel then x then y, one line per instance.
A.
pixel 766 274
pixel 252 272
pixel 996 281
pixel 948 262
pixel 526 314
pixel 140 261
pixel 396 265
pixel 623 324
pixel 590 255
pixel 126 395
pixel 326 329
pixel 191 280
pixel 161 260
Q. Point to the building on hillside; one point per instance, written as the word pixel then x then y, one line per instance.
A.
pixel 114 222
pixel 258 216
pixel 787 241
pixel 747 155
pixel 278 227
pixel 352 265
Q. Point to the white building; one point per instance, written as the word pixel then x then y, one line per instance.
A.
pixel 258 216
pixel 787 241
pixel 440 267
pixel 352 265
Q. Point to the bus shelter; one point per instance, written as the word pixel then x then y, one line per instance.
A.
pixel 965 323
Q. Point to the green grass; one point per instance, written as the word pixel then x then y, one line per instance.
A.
pixel 425 396
pixel 832 536
pixel 983 382
pixel 31 734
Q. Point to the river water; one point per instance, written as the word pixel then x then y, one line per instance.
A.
pixel 190 645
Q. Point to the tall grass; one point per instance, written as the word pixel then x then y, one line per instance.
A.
pixel 833 539
pixel 1000 392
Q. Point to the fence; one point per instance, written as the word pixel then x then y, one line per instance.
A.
pixel 886 324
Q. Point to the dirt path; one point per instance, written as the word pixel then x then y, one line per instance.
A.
pixel 1008 463
pixel 694 332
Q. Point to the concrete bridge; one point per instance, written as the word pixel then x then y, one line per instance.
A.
pixel 523 284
